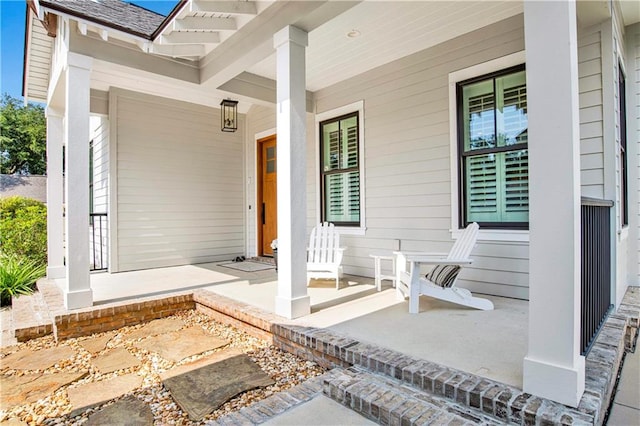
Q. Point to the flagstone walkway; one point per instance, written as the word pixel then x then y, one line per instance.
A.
pixel 178 369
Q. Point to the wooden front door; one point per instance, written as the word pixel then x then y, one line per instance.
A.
pixel 267 195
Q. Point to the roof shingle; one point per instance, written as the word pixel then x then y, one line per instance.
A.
pixel 112 13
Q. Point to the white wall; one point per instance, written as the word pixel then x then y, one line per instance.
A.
pixel 407 152
pixel 632 35
pixel 591 112
pixel 100 137
pixel 407 157
pixel 98 231
pixel 179 185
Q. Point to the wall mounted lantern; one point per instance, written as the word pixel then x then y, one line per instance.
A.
pixel 228 115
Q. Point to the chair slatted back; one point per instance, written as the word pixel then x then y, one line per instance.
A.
pixel 323 244
pixel 464 244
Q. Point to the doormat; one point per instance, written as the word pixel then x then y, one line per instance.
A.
pixel 248 266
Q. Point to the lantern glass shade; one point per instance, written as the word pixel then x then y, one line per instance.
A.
pixel 228 115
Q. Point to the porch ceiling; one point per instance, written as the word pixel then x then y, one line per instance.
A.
pixel 199 26
pixel 386 31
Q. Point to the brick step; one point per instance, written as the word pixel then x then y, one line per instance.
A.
pixel 389 401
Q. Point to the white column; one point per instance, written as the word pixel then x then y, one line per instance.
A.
pixel 553 367
pixel 77 293
pixel 55 223
pixel 292 300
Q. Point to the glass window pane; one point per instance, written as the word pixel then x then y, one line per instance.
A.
pixel 498 187
pixel 331 146
pixel 516 186
pixel 478 110
pixel 342 197
pixel 271 152
pixel 481 173
pixel 349 129
pixel 271 166
pixel 512 109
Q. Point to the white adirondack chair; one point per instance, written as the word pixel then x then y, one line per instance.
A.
pixel 440 282
pixel 324 255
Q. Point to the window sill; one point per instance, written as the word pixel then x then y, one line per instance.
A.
pixel 351 230
pixel 506 235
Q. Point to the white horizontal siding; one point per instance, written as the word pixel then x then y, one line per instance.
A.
pixel 407 157
pixel 100 137
pixel 591 113
pixel 180 192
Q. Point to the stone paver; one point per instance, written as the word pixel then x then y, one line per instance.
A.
pixel 13 422
pixel 38 360
pixel 97 343
pixel 155 327
pixel 114 360
pixel 17 390
pixel 128 411
pixel 178 345
pixel 96 393
pixel 201 390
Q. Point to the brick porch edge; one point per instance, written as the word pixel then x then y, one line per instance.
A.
pixel 502 401
pixel 330 349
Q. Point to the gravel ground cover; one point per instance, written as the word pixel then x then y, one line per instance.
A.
pixel 285 369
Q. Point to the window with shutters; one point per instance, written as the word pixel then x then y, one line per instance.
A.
pixel 340 170
pixel 493 150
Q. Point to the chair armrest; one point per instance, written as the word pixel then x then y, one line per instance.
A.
pixel 421 253
pixel 430 260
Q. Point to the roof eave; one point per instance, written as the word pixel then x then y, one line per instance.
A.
pixel 73 14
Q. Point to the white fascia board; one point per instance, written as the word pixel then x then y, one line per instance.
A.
pixel 177 50
pixel 232 7
pixel 190 38
pixel 204 23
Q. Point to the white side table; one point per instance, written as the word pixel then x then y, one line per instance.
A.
pixel 377 259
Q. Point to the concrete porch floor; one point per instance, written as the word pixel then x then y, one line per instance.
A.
pixel 491 344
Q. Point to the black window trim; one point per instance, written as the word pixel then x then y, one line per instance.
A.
pixel 355 114
pixel 624 171
pixel 462 190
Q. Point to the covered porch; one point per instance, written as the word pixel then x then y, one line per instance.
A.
pixel 294 68
pixel 489 344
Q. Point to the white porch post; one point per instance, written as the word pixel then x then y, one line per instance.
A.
pixel 55 223
pixel 292 300
pixel 77 293
pixel 553 367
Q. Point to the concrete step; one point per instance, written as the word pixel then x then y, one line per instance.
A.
pixel 386 400
pixel 30 317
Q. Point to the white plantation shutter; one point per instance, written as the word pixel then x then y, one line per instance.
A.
pixel 482 187
pixel 516 186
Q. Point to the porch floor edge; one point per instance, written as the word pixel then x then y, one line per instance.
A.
pixel 330 349
pixel 504 402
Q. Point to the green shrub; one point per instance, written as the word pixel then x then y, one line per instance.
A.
pixel 18 276
pixel 23 228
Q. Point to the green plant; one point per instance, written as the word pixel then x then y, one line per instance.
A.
pixel 18 276
pixel 23 228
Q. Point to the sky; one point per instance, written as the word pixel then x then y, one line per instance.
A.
pixel 12 24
